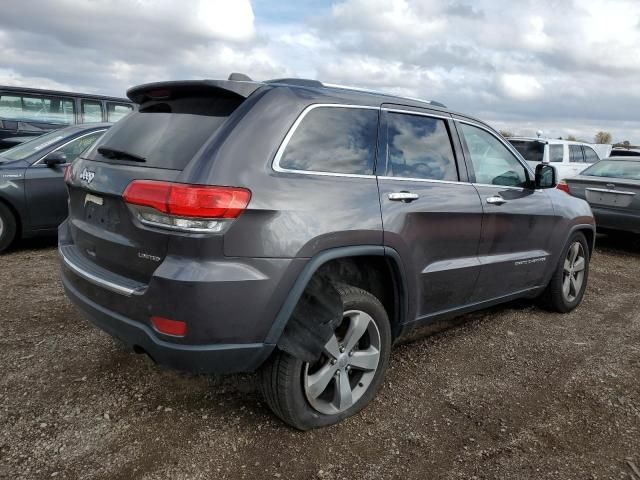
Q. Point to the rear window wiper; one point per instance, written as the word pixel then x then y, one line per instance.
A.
pixel 115 154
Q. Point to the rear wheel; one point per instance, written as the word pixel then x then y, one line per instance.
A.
pixel 569 281
pixel 344 379
pixel 7 227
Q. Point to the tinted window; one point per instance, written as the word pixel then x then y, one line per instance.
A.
pixel 575 153
pixel 531 151
pixel 590 155
pixel 556 153
pixel 615 169
pixel 74 148
pixel 419 147
pixel 91 111
pixel 492 162
pixel 45 109
pixel 166 134
pixel 115 111
pixel 334 139
pixel 30 147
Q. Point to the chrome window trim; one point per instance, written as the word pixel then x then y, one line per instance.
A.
pixel 427 180
pixel 412 112
pixel 276 160
pixel 509 147
pixel 508 187
pixel 37 162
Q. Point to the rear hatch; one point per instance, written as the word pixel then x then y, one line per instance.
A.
pixel 174 123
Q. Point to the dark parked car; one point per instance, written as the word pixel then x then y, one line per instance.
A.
pixel 33 196
pixel 612 188
pixel 300 229
pixel 29 112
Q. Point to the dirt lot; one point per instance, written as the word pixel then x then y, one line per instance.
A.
pixel 513 392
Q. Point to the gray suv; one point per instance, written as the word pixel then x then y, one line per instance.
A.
pixel 299 229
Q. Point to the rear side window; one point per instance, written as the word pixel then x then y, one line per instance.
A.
pixel 334 139
pixel 531 150
pixel 164 134
pixel 575 154
pixel 556 153
pixel 115 111
pixel 44 109
pixel 419 147
pixel 91 111
pixel 590 155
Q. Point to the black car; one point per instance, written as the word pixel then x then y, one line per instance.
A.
pixel 33 197
pixel 612 188
pixel 300 229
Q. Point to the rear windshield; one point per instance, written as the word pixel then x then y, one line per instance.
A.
pixel 614 169
pixel 531 151
pixel 30 147
pixel 164 134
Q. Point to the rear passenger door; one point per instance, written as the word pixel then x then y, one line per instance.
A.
pixel 517 219
pixel 431 214
pixel 576 160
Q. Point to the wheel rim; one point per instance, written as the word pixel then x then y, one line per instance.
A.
pixel 573 273
pixel 1 227
pixel 347 366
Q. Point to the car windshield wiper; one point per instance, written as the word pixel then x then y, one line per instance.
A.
pixel 119 154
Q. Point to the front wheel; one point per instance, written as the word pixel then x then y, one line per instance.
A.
pixel 8 227
pixel 344 379
pixel 569 280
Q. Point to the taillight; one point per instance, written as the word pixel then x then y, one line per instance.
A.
pixel 175 328
pixel 564 186
pixel 178 206
pixel 67 173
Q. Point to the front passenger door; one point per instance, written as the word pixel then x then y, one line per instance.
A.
pixel 517 219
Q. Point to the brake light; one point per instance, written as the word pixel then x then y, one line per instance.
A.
pixel 564 186
pixel 175 328
pixel 185 207
pixel 67 173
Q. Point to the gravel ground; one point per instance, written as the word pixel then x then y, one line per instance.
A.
pixel 512 392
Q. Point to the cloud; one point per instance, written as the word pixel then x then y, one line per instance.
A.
pixel 569 66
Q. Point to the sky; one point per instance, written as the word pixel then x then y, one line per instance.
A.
pixel 561 66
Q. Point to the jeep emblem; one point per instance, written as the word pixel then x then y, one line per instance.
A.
pixel 87 175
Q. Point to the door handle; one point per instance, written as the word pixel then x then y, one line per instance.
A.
pixel 403 196
pixel 496 200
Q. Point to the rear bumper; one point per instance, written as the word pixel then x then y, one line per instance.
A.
pixel 217 358
pixel 616 220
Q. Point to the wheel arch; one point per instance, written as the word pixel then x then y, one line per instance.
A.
pixel 16 215
pixel 384 260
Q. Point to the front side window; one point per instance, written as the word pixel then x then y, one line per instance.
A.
pixel 492 162
pixel 575 154
pixel 91 111
pixel 74 148
pixel 30 147
pixel 556 153
pixel 115 111
pixel 590 155
pixel 43 109
pixel 419 147
pixel 334 139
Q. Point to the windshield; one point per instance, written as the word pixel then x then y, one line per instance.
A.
pixel 30 147
pixel 531 151
pixel 625 169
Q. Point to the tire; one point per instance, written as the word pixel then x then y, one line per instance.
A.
pixel 555 297
pixel 287 383
pixel 8 227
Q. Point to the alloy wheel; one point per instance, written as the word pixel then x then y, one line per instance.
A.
pixel 573 272
pixel 347 366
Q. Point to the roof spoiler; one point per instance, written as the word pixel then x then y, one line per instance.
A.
pixel 168 90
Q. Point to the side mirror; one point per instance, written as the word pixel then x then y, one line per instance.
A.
pixel 55 158
pixel 546 176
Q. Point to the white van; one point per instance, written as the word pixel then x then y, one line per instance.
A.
pixel 569 158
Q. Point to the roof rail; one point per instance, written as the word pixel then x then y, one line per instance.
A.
pixel 302 82
pixel 378 92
